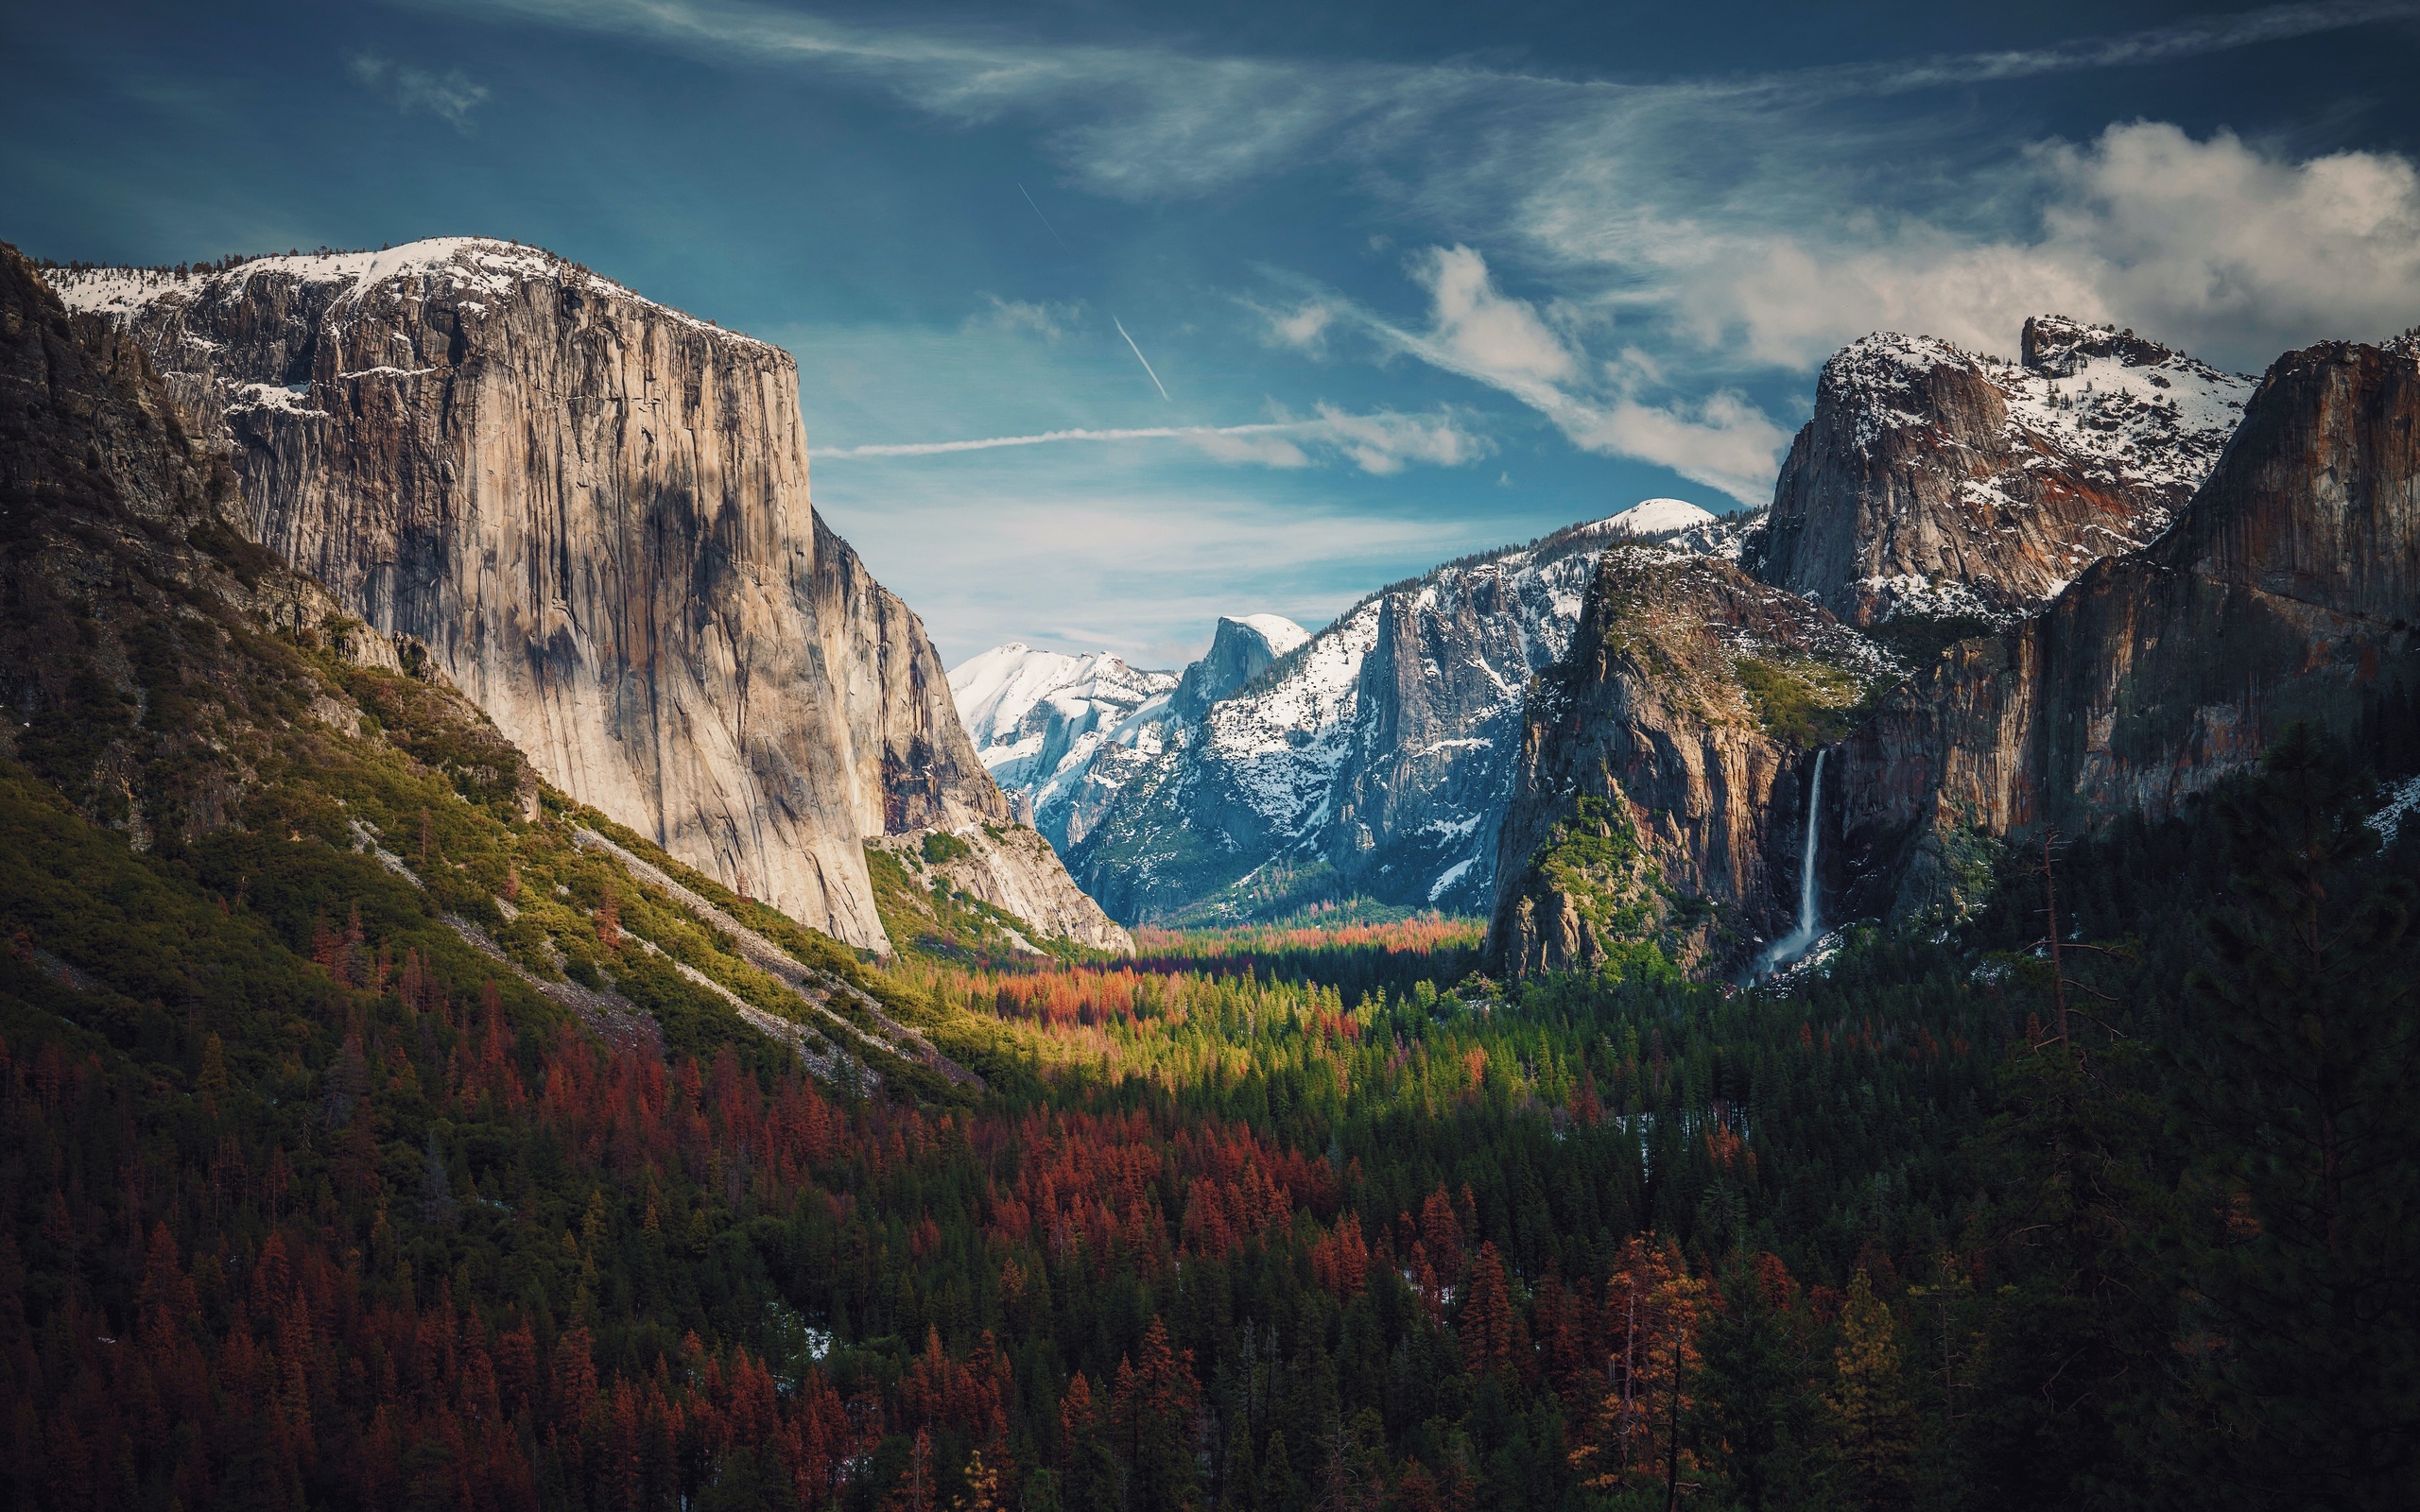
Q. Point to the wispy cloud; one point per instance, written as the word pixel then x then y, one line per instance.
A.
pixel 1731 226
pixel 1154 121
pixel 1480 332
pixel 1384 442
pixel 1757 220
pixel 1032 566
pixel 1023 317
pixel 451 95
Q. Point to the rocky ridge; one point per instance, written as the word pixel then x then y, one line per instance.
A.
pixel 2288 589
pixel 1936 482
pixel 176 683
pixel 1666 767
pixel 593 513
pixel 1372 759
pixel 1064 734
pixel 2283 587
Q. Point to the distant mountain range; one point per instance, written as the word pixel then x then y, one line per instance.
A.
pixel 1373 759
pixel 1999 593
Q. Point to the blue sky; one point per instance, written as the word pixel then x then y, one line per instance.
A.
pixel 1415 278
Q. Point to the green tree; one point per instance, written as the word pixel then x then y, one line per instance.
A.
pixel 1872 1419
pixel 1757 1406
pixel 2300 1052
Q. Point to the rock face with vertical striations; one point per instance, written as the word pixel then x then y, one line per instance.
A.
pixel 594 512
pixel 2282 585
pixel 2288 589
pixel 1935 482
pixel 1666 764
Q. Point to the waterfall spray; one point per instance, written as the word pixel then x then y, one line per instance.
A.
pixel 1793 945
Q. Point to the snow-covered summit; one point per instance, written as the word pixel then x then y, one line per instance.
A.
pixel 1378 752
pixel 1941 482
pixel 1651 517
pixel 1043 720
pixel 2148 416
pixel 475 266
pixel 1281 633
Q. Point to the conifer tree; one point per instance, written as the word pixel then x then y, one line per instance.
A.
pixel 2296 1085
pixel 1871 1421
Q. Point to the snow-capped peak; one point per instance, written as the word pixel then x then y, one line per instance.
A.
pixel 480 266
pixel 1282 634
pixel 1651 517
pixel 995 690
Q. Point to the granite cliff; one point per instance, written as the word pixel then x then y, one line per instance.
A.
pixel 592 512
pixel 1666 767
pixel 2288 588
pixel 1939 483
pixel 1651 808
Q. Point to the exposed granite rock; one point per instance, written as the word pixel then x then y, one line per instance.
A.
pixel 1660 794
pixel 1241 650
pixel 593 511
pixel 1936 482
pixel 145 671
pixel 2288 589
pixel 1056 730
pixel 1013 868
pixel 1372 759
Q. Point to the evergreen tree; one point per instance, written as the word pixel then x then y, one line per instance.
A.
pixel 1757 1413
pixel 1873 1423
pixel 2301 1053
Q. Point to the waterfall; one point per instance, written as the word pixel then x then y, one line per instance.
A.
pixel 1793 945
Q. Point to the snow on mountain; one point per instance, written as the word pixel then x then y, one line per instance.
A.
pixel 1038 719
pixel 1281 633
pixel 1941 482
pixel 1651 517
pixel 1376 757
pixel 461 264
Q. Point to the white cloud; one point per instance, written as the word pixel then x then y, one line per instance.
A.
pixel 1143 576
pixel 450 97
pixel 2215 244
pixel 2199 237
pixel 1754 221
pixel 1384 443
pixel 1022 316
pixel 1263 449
pixel 1722 442
pixel 1481 332
pixel 1487 332
pixel 1737 225
pixel 1303 328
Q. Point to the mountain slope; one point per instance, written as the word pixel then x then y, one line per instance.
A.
pixel 593 513
pixel 1935 482
pixel 1041 720
pixel 190 702
pixel 1373 759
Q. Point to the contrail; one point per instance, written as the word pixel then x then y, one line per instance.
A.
pixel 1046 223
pixel 1112 320
pixel 1148 433
pixel 1140 357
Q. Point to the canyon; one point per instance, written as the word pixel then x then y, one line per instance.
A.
pixel 1991 598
